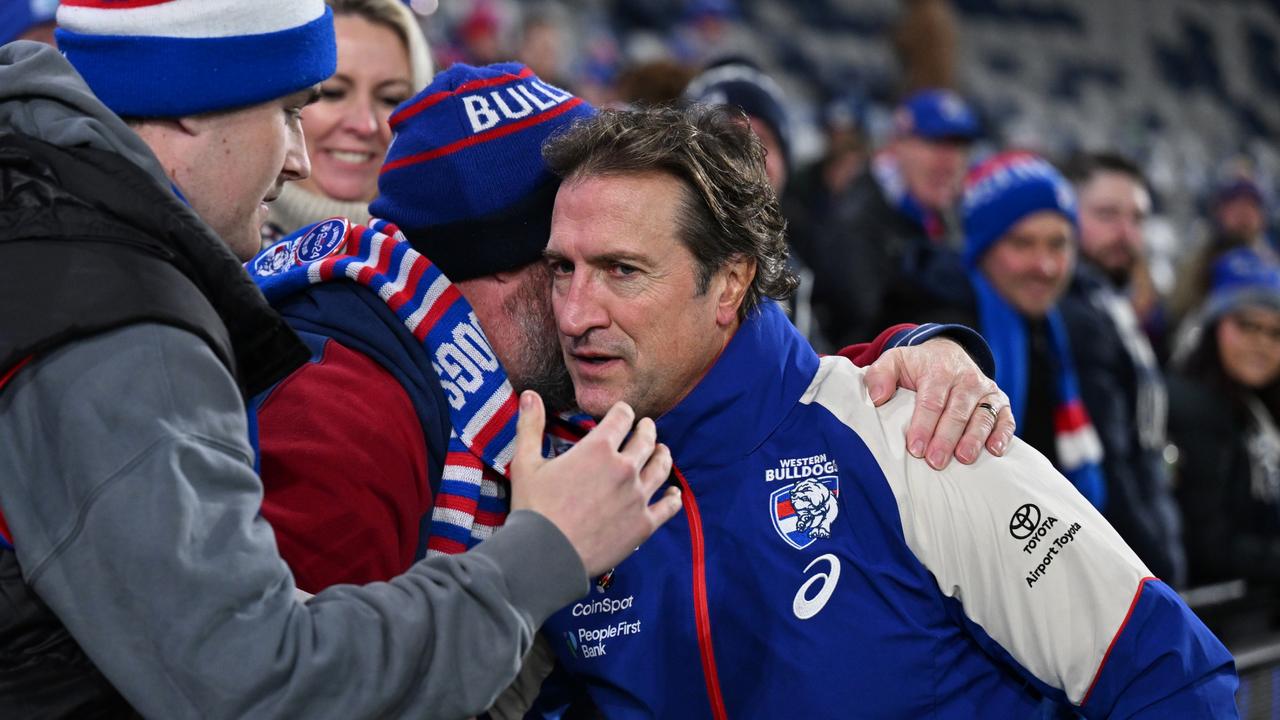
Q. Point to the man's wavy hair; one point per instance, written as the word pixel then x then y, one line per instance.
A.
pixel 729 209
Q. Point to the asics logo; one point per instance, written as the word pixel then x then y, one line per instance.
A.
pixel 806 607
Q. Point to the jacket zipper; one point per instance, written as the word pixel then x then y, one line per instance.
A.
pixel 702 615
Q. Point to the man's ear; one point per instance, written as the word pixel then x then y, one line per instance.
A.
pixel 737 275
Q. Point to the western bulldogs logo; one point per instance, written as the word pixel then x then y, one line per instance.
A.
pixel 323 240
pixel 804 511
pixel 274 260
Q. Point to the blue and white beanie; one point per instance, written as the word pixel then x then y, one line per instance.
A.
pixel 1002 191
pixel 171 58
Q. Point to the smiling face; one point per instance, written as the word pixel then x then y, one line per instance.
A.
pixel 1030 265
pixel 347 131
pixel 633 320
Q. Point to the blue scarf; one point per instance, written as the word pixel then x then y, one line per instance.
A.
pixel 1078 447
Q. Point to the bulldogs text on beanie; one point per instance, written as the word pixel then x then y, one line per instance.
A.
pixel 171 58
pixel 464 177
pixel 1003 190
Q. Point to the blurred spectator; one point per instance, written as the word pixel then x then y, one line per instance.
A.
pixel 1020 235
pixel 657 82
pixel 710 29
pixel 1224 411
pixel 382 61
pixel 1239 214
pixel 542 43
pixel 758 97
pixel 889 232
pixel 1120 380
pixel 744 86
pixel 811 195
pixel 27 20
pixel 480 34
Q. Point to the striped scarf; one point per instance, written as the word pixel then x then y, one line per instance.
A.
pixel 1075 439
pixel 472 500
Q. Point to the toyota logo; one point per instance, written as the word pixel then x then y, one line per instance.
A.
pixel 1024 521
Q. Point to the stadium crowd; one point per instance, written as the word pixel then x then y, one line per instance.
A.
pixel 397 228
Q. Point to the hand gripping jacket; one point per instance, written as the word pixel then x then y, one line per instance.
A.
pixel 819 571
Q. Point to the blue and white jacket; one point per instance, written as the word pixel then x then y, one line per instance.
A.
pixel 820 571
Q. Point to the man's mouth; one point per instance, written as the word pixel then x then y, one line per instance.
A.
pixel 593 358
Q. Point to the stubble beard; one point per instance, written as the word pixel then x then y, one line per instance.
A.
pixel 541 364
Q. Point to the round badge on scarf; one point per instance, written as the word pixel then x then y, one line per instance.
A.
pixel 274 260
pixel 325 239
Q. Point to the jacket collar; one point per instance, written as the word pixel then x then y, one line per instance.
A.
pixel 762 373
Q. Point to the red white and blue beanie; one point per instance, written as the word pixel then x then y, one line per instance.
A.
pixel 1005 189
pixel 171 58
pixel 464 177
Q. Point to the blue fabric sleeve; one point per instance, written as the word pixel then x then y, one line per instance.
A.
pixel 1164 663
pixel 967 337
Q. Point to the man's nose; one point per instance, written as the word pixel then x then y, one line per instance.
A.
pixel 297 164
pixel 578 306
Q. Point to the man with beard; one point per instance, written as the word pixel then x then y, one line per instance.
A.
pixel 375 453
pixel 1120 380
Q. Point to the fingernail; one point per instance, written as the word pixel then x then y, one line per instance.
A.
pixel 968 452
pixel 917 448
pixel 876 390
pixel 526 400
pixel 999 446
pixel 937 459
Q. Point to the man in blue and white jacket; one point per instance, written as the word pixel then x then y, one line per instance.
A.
pixel 818 570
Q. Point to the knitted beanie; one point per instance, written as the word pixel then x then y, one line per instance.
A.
pixel 1243 277
pixel 19 16
pixel 464 177
pixel 1002 191
pixel 747 88
pixel 171 58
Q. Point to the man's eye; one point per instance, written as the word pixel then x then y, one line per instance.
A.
pixel 332 94
pixel 623 269
pixel 560 267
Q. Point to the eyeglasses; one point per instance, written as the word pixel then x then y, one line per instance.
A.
pixel 1256 329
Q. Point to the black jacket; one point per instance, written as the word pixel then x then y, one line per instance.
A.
pixel 874 266
pixel 1229 533
pixel 1140 501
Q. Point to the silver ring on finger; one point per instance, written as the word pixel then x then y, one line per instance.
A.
pixel 995 415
